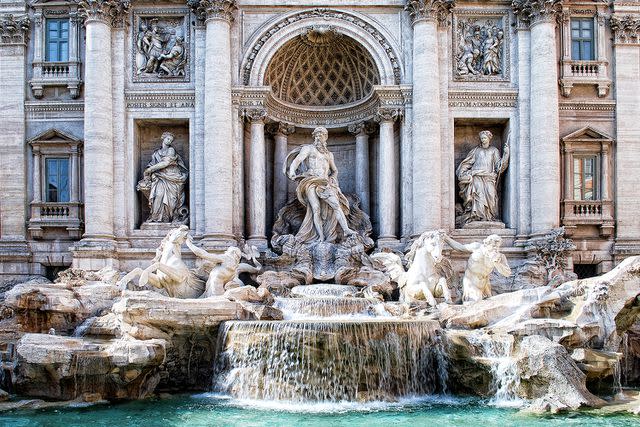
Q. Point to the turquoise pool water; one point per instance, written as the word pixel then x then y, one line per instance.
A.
pixel 211 410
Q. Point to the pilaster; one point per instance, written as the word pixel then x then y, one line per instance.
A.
pixel 625 25
pixel 14 253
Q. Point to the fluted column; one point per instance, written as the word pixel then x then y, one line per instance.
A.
pixel 626 52
pixel 98 118
pixel 427 146
pixel 361 131
pixel 388 179
pixel 257 179
pixel 281 132
pixel 543 116
pixel 218 117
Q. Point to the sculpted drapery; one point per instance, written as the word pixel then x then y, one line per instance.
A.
pixel 163 184
pixel 478 176
pixel 313 167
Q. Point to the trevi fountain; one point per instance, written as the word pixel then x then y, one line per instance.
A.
pixel 392 214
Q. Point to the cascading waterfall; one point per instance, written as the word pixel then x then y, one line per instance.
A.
pixel 498 349
pixel 299 308
pixel 329 360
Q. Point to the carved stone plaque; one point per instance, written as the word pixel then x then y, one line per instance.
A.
pixel 480 46
pixel 160 45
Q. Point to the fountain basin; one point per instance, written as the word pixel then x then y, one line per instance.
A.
pixel 330 360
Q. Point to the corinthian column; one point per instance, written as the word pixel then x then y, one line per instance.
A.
pixel 257 179
pixel 427 146
pixel 98 118
pixel 388 180
pixel 362 131
pixel 218 116
pixel 280 131
pixel 543 116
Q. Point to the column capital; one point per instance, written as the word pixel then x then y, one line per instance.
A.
pixel 14 29
pixel 213 9
pixel 111 12
pixel 536 11
pixel 626 29
pixel 283 128
pixel 434 10
pixel 361 128
pixel 387 114
pixel 255 114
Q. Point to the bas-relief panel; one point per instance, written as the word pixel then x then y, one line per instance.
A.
pixel 160 45
pixel 480 45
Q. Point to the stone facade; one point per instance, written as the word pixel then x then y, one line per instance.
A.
pixel 403 86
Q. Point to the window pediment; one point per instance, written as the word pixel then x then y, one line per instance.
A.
pixel 587 134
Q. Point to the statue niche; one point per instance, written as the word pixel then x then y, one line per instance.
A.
pixel 478 177
pixel 160 48
pixel 163 184
pixel 322 233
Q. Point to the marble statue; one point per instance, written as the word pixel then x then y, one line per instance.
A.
pixel 428 271
pixel 313 167
pixel 485 257
pixel 478 176
pixel 172 63
pixel 163 184
pixel 167 270
pixel 226 268
pixel 479 48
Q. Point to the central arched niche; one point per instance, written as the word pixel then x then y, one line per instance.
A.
pixel 322 68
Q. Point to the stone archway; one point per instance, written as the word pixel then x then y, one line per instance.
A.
pixel 277 33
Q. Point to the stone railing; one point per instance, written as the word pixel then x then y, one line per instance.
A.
pixel 55 215
pixel 55 70
pixel 588 212
pixel 584 73
pixel 56 74
pixel 584 68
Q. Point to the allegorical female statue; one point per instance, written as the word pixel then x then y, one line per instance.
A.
pixel 478 176
pixel 163 184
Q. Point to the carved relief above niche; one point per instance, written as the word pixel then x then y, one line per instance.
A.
pixel 160 45
pixel 481 45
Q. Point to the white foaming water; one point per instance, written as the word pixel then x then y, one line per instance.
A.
pixel 328 307
pixel 498 350
pixel 335 407
pixel 324 290
pixel 329 360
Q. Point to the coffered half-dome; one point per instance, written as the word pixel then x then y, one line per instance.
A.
pixel 322 68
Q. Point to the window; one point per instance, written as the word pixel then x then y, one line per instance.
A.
pixel 57 174
pixel 57 40
pixel 582 43
pixel 584 178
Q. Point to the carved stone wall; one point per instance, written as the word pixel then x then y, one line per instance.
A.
pixel 481 45
pixel 160 47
